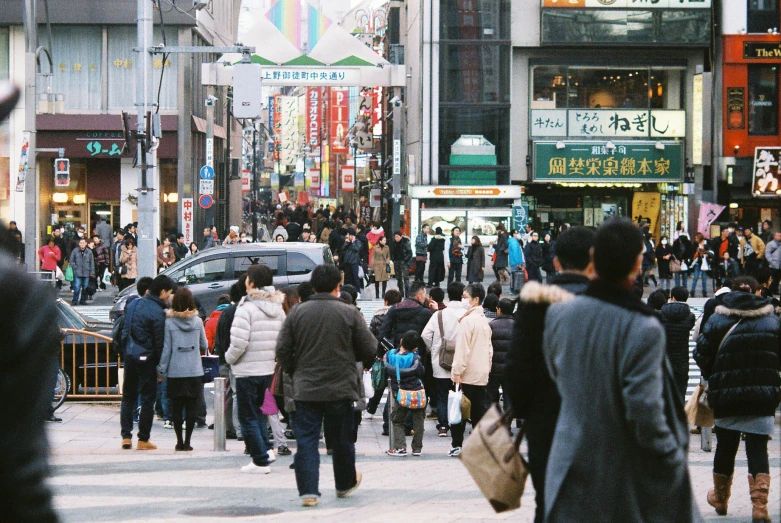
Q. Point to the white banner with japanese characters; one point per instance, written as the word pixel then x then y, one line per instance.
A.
pixel 608 123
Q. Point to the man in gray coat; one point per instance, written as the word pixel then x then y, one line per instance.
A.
pixel 83 264
pixel 319 345
pixel 773 255
pixel 619 449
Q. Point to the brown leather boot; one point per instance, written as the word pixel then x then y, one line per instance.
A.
pixel 719 496
pixel 145 445
pixel 759 487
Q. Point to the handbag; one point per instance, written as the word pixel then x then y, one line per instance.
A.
pixel 454 398
pixel 447 351
pixel 122 269
pixel 69 273
pixel 698 411
pixel 410 399
pixel 494 460
pixel 211 367
pixel 378 374
pixel 277 381
pixel 675 265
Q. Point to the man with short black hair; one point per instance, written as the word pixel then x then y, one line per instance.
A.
pixel 221 343
pixel 526 382
pixel 621 417
pixel 143 336
pixel 83 265
pixel 320 342
pixel 401 255
pixel 421 252
pixel 180 249
pixel 678 321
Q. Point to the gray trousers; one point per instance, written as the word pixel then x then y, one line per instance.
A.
pixel 231 406
pixel 397 417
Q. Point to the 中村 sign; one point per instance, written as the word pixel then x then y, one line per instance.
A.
pixel 593 161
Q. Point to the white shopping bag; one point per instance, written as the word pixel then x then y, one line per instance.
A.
pixel 106 277
pixel 454 406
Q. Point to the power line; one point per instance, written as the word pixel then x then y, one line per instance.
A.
pixel 224 38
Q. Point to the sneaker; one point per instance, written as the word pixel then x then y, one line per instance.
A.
pixel 168 425
pixel 442 433
pixel 271 456
pixel 289 434
pixel 366 415
pixel 255 469
pixel 283 450
pixel 417 452
pixel 384 432
pixel 145 445
pixel 310 501
pixel 200 424
pixel 454 452
pixel 127 444
pixel 401 453
pixel 345 493
pixel 230 435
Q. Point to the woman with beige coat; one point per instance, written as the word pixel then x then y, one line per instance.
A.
pixel 472 361
pixel 380 259
pixel 129 261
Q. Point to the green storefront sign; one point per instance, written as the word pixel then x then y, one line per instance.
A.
pixel 597 161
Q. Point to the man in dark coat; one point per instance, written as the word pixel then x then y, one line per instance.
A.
pixel 350 257
pixel 319 345
pixel 611 372
pixel 401 255
pixel 436 248
pixel 502 328
pixel 144 327
pixel 678 321
pixel 528 385
pixel 409 315
pixel 222 340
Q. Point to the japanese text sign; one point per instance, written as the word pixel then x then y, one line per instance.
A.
pixel 301 76
pixel 340 112
pixel 314 104
pixel 595 162
pixel 187 220
pixel 604 123
pixel 767 179
pixel 627 4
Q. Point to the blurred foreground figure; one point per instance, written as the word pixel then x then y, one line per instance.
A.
pixel 29 338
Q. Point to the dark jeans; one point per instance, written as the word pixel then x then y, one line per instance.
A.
pixel 374 401
pixel 351 276
pixel 162 403
pixel 402 276
pixel 140 378
pixel 492 393
pixel 476 394
pixel 727 445
pixel 339 420
pixel 442 386
pixel 80 290
pixel 229 398
pixel 454 272
pixel 100 270
pixel 776 273
pixel 250 392
pixel 420 270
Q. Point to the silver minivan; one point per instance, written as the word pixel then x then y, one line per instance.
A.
pixel 211 272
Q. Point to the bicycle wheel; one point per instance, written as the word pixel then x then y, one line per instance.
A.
pixel 61 388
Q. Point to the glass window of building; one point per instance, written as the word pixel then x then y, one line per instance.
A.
pixel 122 72
pixel 77 65
pixel 549 87
pixel 608 88
pixel 475 73
pixel 474 20
pixel 762 100
pixel 762 15
pixel 665 89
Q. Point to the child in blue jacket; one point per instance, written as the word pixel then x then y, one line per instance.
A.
pixel 406 371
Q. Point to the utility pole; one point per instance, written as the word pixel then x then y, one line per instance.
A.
pixel 147 146
pixel 395 215
pixel 254 190
pixel 31 188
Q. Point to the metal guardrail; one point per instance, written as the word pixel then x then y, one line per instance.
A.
pixel 93 368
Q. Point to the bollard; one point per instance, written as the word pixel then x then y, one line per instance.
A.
pixel 219 414
pixel 390 422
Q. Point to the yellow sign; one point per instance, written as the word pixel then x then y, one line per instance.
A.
pixel 646 206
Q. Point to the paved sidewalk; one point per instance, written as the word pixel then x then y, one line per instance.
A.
pixel 94 480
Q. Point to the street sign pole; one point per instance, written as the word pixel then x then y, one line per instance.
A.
pixel 147 145
pixel 396 212
pixel 31 189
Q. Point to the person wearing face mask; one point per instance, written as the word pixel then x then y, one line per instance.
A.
pixel 472 361
pixel 664 254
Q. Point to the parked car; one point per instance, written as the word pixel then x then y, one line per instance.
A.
pixel 90 352
pixel 211 273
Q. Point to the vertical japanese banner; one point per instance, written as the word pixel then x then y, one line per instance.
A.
pixel 313 116
pixel 377 113
pixel 187 220
pixel 348 178
pixel 708 214
pixel 289 130
pixel 277 127
pixel 340 112
pixel 314 180
pixel 646 206
pixel 21 175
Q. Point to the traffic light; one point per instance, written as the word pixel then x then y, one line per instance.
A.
pixel 62 172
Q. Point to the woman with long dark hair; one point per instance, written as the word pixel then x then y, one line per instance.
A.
pixel 475 261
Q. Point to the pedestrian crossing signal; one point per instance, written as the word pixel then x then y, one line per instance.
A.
pixel 62 172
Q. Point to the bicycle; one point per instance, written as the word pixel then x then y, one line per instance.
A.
pixel 61 389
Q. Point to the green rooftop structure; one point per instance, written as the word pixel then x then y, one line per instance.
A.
pixel 472 149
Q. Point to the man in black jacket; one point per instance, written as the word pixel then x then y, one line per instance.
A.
pixel 401 255
pixel 531 391
pixel 350 256
pixel 502 328
pixel 678 321
pixel 222 340
pixel 144 329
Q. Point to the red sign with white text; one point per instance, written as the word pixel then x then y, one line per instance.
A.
pixel 339 109
pixel 348 178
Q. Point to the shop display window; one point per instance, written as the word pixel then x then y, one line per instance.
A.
pixel 762 15
pixel 762 100
pixel 550 87
pixel 444 219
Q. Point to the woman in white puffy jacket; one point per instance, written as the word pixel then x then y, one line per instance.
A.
pixel 256 325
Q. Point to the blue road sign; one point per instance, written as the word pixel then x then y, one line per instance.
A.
pixel 205 201
pixel 207 173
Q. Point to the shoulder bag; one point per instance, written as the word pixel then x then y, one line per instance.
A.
pixel 447 351
pixel 494 460
pixel 675 265
pixel 698 411
pixel 410 399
